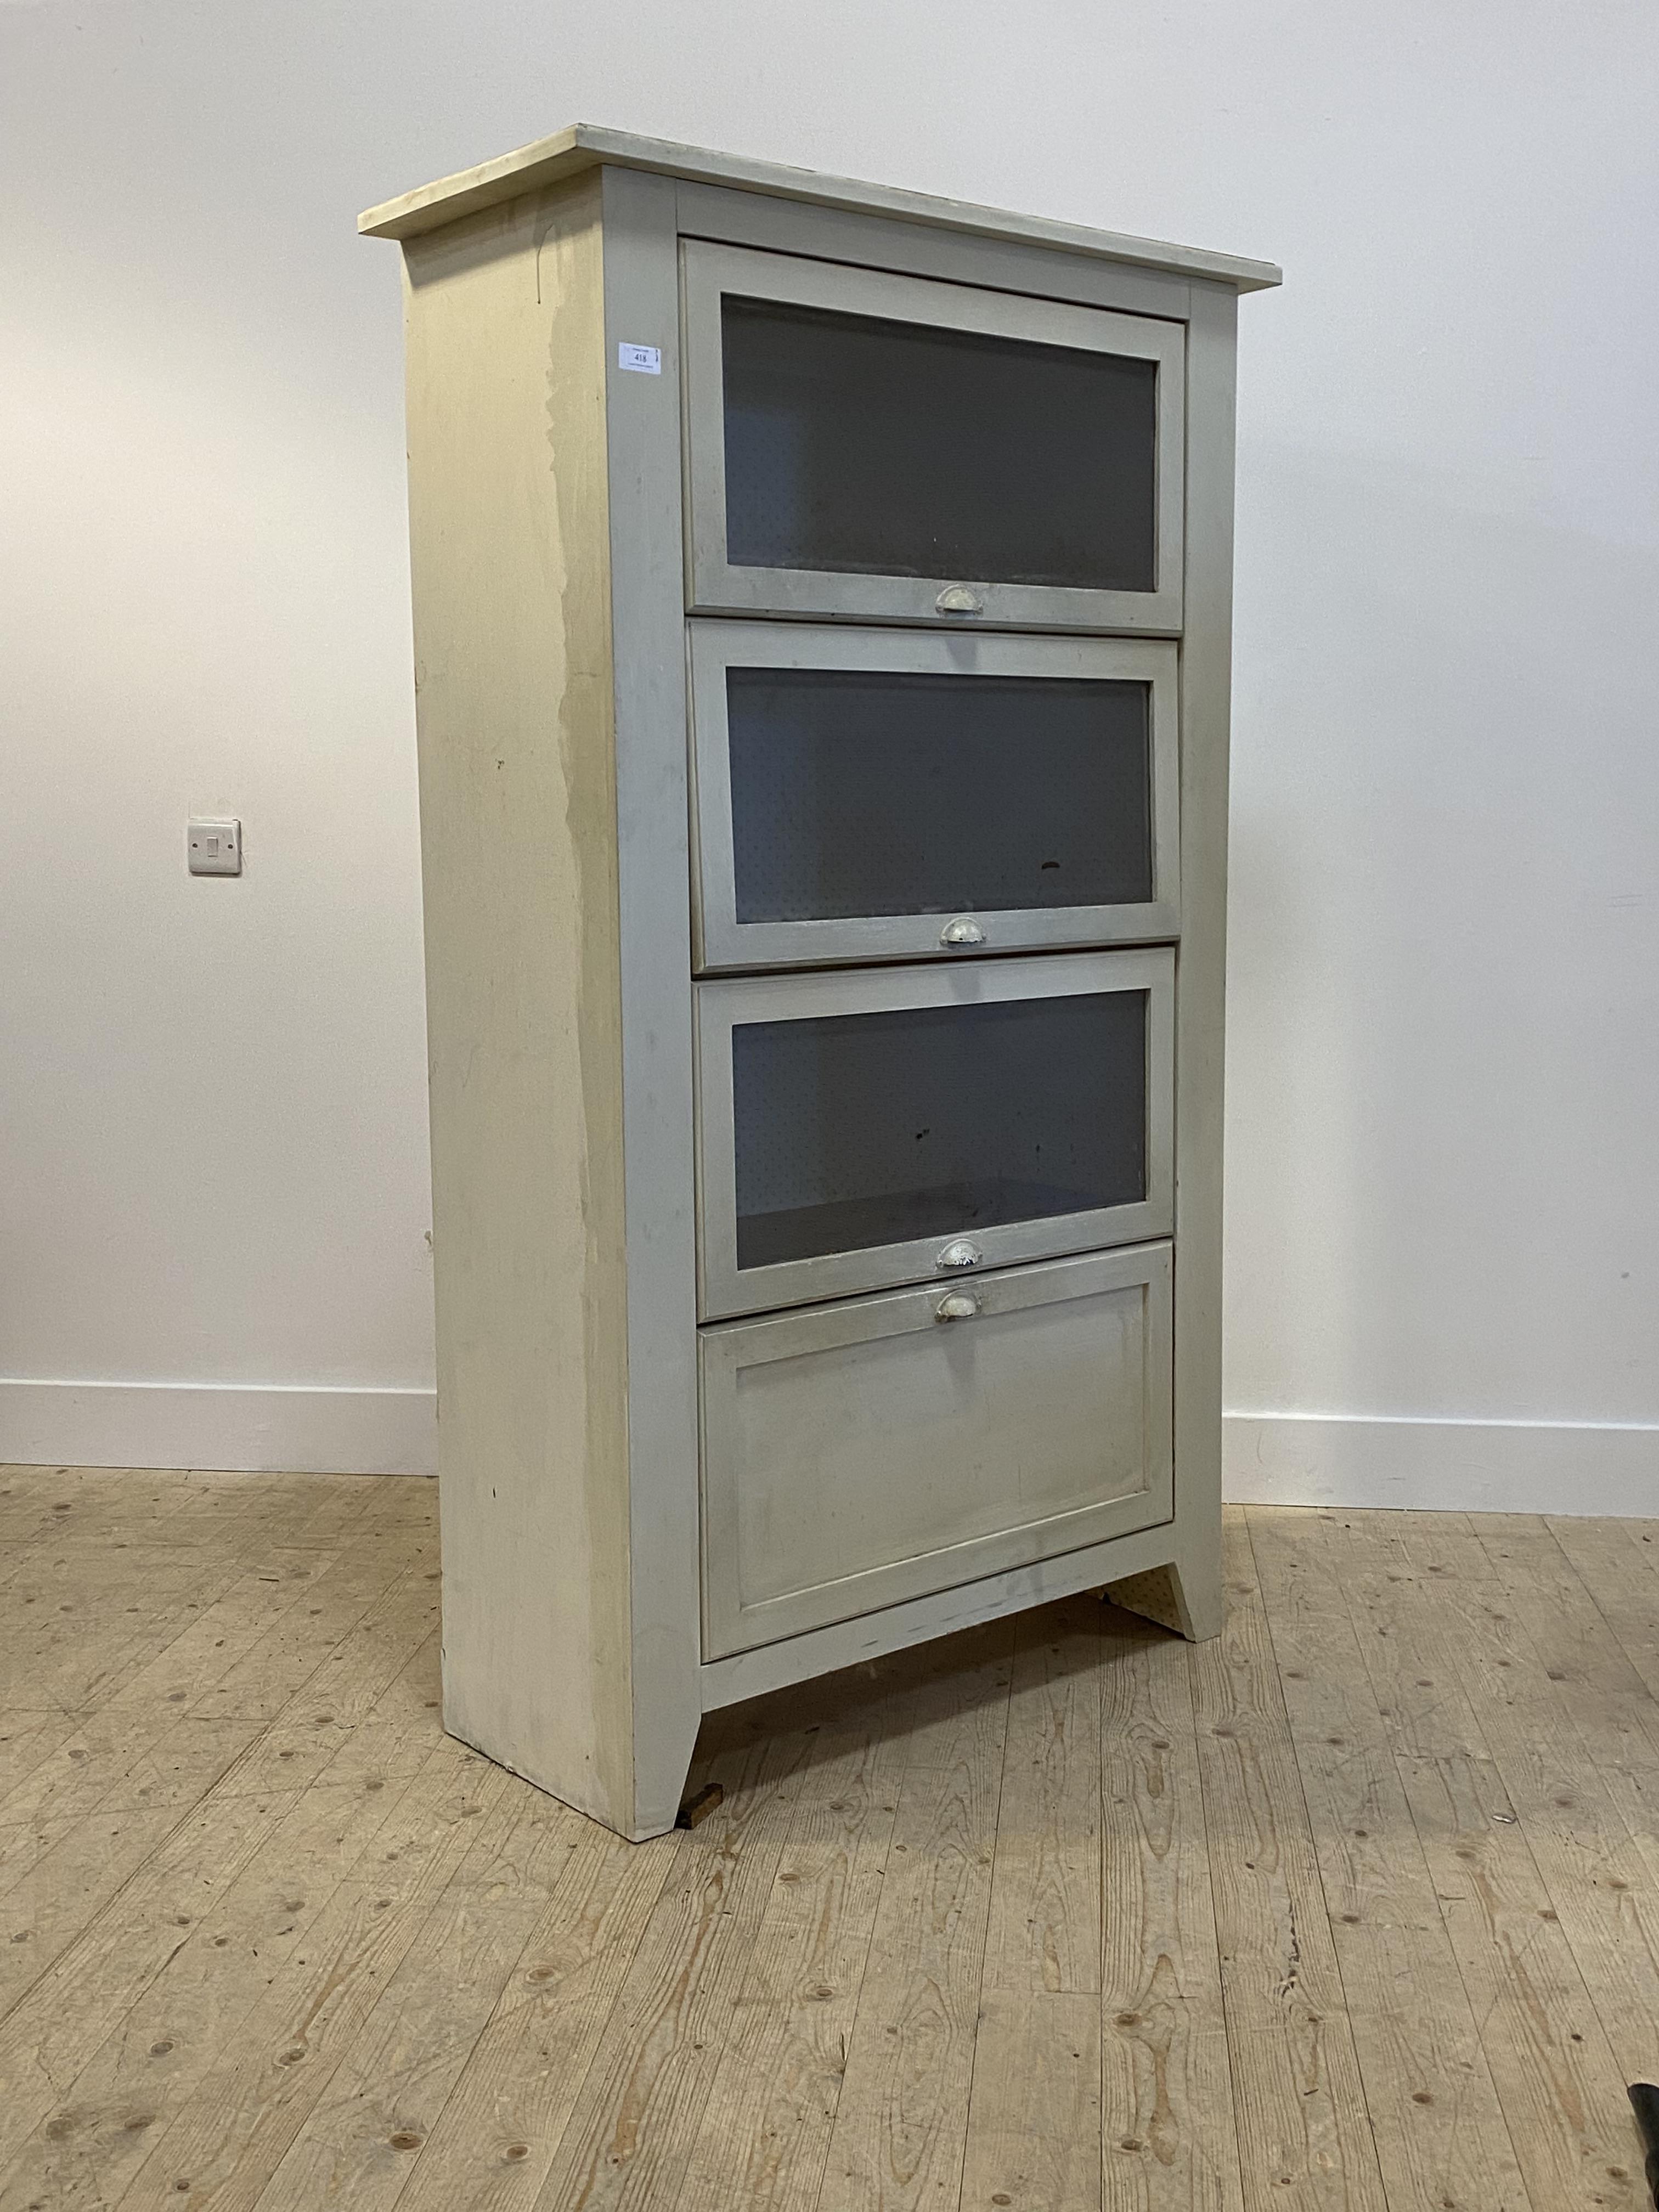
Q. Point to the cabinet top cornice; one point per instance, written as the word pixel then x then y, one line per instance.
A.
pixel 586 145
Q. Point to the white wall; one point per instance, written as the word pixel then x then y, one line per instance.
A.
pixel 1444 1180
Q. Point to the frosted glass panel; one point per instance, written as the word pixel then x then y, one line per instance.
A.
pixel 859 444
pixel 857 1130
pixel 869 792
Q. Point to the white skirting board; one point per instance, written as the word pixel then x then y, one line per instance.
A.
pixel 1269 1459
pixel 237 1427
pixel 1456 1465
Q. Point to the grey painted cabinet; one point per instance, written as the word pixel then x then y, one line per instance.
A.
pixel 822 601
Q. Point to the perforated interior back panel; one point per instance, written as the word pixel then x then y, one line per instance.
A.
pixel 859 1130
pixel 888 448
pixel 870 791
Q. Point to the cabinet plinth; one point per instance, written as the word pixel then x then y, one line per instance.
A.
pixel 822 609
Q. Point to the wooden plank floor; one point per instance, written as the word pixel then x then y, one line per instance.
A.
pixel 1356 1907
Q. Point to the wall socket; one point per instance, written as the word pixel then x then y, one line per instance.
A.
pixel 215 847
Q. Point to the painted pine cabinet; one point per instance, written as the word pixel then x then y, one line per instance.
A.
pixel 822 611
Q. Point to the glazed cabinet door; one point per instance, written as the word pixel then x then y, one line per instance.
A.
pixel 858 1129
pixel 869 794
pixel 863 444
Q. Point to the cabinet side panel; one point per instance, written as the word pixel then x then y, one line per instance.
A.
pixel 648 617
pixel 507 508
pixel 1201 961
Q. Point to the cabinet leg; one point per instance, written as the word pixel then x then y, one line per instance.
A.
pixel 1180 1598
pixel 663 1781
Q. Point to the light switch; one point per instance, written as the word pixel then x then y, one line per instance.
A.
pixel 215 847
